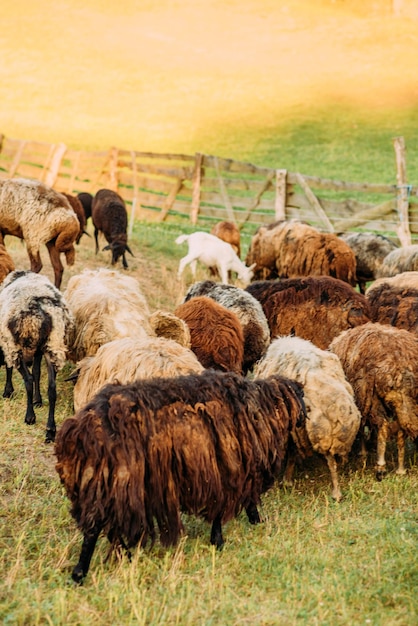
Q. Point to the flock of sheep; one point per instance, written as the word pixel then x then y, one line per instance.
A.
pixel 200 409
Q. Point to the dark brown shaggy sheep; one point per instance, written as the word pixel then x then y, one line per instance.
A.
pixel 397 306
pixel 86 200
pixel 381 364
pixel 110 217
pixel 314 308
pixel 216 334
pixel 206 444
pixel 370 249
pixel 291 249
pixel 247 308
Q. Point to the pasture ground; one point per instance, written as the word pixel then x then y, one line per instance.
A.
pixel 311 561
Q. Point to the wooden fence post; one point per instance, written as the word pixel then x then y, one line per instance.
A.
pixel 54 167
pixel 113 169
pixel 403 229
pixel 280 199
pixel 196 180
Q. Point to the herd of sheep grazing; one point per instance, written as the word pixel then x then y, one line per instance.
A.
pixel 202 408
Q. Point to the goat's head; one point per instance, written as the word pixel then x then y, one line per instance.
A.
pixel 246 274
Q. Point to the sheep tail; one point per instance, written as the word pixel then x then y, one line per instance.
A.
pixel 182 239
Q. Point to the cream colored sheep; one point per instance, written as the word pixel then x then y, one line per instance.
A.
pixel 40 215
pixel 128 359
pixel 333 418
pixel 107 305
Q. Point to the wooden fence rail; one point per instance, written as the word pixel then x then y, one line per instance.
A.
pixel 203 189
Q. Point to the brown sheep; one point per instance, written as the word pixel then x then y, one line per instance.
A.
pixel 79 211
pixel 229 232
pixel 217 337
pixel 40 215
pixel 6 263
pixel 397 306
pixel 314 308
pixel 86 200
pixel 110 217
pixel 293 249
pixel 204 444
pixel 249 312
pixel 381 364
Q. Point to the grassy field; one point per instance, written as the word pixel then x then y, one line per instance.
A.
pixel 317 87
pixel 311 561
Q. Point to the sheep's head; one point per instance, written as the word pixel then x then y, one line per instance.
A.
pixel 119 247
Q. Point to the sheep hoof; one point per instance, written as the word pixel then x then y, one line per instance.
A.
pixel 78 575
pixel 380 473
pixel 50 436
pixel 30 419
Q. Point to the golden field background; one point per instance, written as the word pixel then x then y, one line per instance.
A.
pixel 206 75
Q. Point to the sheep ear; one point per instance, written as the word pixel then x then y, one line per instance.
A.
pixel 253 266
pixel 86 233
pixel 129 250
pixel 107 248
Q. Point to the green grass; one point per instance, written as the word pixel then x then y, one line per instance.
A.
pixel 311 561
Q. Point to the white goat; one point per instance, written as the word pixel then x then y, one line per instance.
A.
pixel 213 252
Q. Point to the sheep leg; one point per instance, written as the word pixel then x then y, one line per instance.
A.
pixel 35 261
pixel 382 437
pixel 401 452
pixel 253 514
pixel 58 267
pixel 289 470
pixel 87 549
pixel 36 372
pixel 30 416
pixel 8 387
pixel 52 398
pixel 124 262
pixel 332 464
pixel 216 537
pixel 186 260
pixel 96 238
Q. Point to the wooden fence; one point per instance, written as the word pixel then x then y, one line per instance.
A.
pixel 203 189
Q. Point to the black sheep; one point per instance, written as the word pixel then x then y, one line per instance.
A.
pixel 110 217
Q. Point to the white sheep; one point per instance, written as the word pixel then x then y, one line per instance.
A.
pixel 40 215
pixel 213 252
pixel 106 305
pixel 128 359
pixel 333 418
pixel 34 322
